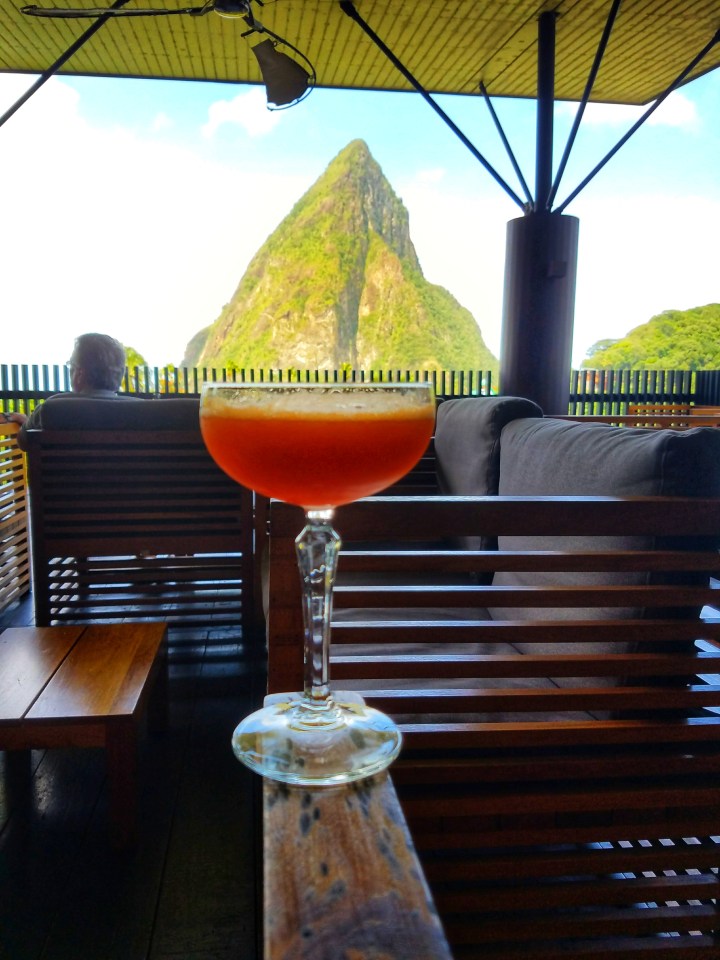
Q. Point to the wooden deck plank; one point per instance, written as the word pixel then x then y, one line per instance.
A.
pixel 66 894
pixel 42 849
pixel 207 904
pixel 117 921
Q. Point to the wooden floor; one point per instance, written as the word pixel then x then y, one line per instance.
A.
pixel 187 890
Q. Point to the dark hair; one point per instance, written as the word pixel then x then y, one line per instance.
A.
pixel 102 360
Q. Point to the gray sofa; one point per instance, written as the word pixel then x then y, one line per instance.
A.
pixel 504 446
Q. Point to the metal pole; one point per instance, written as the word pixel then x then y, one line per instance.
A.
pixel 506 143
pixel 61 61
pixel 638 123
pixel 545 106
pixel 599 54
pixel 347 7
pixel 538 309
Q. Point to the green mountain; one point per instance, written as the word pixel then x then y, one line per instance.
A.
pixel 339 282
pixel 674 340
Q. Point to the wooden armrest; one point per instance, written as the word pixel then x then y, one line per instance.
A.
pixel 341 869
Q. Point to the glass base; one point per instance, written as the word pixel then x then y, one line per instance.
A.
pixel 316 744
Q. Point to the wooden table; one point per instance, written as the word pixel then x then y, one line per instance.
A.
pixel 342 877
pixel 85 686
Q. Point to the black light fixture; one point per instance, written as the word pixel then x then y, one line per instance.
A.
pixel 286 80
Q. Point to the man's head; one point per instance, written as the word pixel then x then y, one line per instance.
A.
pixel 97 363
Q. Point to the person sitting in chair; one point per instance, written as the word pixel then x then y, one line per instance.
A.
pixel 97 367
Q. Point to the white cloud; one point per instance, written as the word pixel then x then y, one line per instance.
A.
pixel 145 239
pixel 639 256
pixel 460 242
pixel 432 176
pixel 676 111
pixel 43 114
pixel 247 110
pixel 162 122
pixel 104 230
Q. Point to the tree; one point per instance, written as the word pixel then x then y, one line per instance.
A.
pixel 673 340
pixel 138 379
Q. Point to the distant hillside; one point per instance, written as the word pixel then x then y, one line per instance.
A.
pixel 674 340
pixel 339 282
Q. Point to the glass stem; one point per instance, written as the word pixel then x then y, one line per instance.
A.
pixel 317 548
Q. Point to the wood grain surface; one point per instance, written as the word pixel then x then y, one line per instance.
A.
pixel 342 877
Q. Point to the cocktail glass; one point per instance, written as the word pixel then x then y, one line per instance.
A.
pixel 317 446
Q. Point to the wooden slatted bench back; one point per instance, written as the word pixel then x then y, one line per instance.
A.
pixel 136 523
pixel 14 534
pixel 664 409
pixel 561 765
pixel 652 421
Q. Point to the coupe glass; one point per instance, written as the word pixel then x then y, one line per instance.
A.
pixel 317 446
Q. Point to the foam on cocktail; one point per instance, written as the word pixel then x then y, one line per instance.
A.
pixel 318 447
pixel 321 401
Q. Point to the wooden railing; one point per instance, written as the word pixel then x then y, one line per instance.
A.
pixel 23 387
pixel 658 421
pixel 14 541
pixel 341 876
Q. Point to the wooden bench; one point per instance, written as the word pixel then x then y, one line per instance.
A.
pixel 663 409
pixel 131 517
pixel 660 421
pixel 85 686
pixel 560 773
pixel 14 534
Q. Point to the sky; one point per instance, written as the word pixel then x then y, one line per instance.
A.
pixel 133 207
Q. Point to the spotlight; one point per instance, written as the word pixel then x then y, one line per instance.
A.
pixel 286 81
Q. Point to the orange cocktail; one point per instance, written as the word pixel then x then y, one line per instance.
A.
pixel 317 447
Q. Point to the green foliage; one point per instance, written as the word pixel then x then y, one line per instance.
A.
pixel 338 286
pixel 138 380
pixel 673 340
pixel 133 358
pixel 599 346
pixel 195 348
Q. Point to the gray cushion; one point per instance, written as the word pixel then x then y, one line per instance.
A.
pixel 467 449
pixel 467 442
pixel 564 458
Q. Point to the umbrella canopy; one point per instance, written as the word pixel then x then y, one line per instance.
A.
pixel 616 51
pixel 450 47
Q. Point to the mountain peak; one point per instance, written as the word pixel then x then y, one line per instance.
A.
pixel 356 150
pixel 362 197
pixel 339 282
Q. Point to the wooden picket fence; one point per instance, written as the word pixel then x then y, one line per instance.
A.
pixel 599 392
